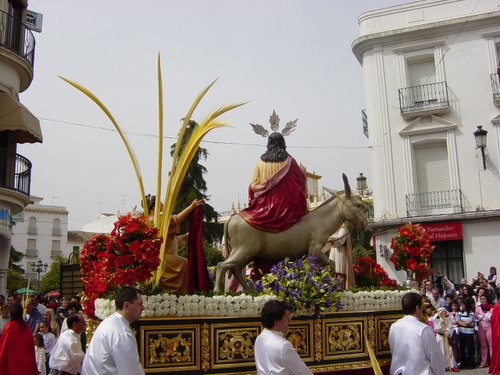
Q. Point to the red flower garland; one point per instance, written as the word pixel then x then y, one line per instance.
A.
pixel 369 273
pixel 126 257
pixel 412 249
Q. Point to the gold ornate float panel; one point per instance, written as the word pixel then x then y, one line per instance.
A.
pixel 218 345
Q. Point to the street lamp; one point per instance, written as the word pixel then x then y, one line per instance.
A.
pixel 39 268
pixel 480 135
pixel 361 184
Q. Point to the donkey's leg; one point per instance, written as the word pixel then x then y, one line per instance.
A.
pixel 220 274
pixel 236 263
pixel 237 273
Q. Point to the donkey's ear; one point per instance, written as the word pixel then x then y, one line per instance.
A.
pixel 347 188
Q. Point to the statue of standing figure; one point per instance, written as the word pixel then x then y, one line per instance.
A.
pixel 340 247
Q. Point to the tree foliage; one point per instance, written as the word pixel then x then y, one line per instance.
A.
pixel 50 281
pixel 15 273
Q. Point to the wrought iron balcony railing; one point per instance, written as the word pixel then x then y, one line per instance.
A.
pixel 431 97
pixel 434 203
pixel 495 87
pixel 31 253
pixel 16 36
pixel 15 172
pixel 55 253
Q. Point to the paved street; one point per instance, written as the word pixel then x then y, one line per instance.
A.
pixel 476 371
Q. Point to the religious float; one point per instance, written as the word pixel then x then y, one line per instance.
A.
pixel 206 333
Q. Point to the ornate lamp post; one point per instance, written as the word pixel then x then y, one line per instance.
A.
pixel 480 135
pixel 39 268
pixel 361 185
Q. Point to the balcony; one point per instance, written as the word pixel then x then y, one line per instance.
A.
pixel 434 203
pixel 56 232
pixel 495 87
pixel 15 181
pixel 17 47
pixel 32 229
pixel 423 100
pixel 31 253
pixel 55 254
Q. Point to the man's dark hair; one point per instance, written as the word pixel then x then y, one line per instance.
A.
pixel 75 318
pixel 74 306
pixel 276 149
pixel 410 302
pixel 126 294
pixel 272 311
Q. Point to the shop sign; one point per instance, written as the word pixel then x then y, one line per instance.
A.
pixel 444 231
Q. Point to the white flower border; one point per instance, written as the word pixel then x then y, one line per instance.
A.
pixel 243 305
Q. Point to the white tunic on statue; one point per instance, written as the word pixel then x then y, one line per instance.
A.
pixel 414 348
pixel 275 355
pixel 113 349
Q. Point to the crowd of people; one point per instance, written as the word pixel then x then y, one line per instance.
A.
pixel 462 323
pixel 33 331
pixel 41 338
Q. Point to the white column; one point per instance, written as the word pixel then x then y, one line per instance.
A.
pixel 382 113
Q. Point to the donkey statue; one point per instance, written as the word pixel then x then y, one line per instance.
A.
pixel 308 236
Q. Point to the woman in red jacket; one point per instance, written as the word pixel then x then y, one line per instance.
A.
pixel 17 353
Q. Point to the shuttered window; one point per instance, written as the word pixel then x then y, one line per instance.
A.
pixel 432 168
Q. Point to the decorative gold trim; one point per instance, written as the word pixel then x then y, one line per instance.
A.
pixel 343 337
pixel 300 335
pixel 232 344
pixel 179 347
pixel 318 340
pixel 205 347
pixel 383 324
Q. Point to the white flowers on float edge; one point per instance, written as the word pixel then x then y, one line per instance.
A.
pixel 244 305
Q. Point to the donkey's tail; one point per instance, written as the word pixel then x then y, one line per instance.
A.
pixel 226 242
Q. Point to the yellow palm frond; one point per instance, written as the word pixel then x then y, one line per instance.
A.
pixel 156 218
pixel 180 164
pixel 373 359
pixel 130 152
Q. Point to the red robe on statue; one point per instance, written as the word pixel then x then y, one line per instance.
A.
pixel 279 202
pixel 495 335
pixel 17 350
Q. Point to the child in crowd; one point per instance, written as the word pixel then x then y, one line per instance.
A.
pixel 40 353
pixel 492 277
pixel 466 322
pixel 442 323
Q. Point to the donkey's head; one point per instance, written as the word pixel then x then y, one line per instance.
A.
pixel 353 208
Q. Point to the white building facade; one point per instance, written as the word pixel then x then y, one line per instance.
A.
pixel 40 233
pixel 430 74
pixel 17 123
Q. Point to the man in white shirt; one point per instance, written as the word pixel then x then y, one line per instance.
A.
pixel 113 348
pixel 413 345
pixel 274 354
pixel 67 355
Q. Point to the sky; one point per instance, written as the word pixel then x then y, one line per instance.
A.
pixel 292 56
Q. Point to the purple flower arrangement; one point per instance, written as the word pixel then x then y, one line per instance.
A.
pixel 305 284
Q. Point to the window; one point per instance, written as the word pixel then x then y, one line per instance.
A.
pixel 431 163
pixel 31 251
pixel 56 227
pixel 447 260
pixel 32 229
pixel 421 70
pixel 56 249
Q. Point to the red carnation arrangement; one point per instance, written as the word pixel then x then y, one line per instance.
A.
pixel 127 256
pixel 368 272
pixel 412 249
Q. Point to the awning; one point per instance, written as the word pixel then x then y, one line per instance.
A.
pixel 17 118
